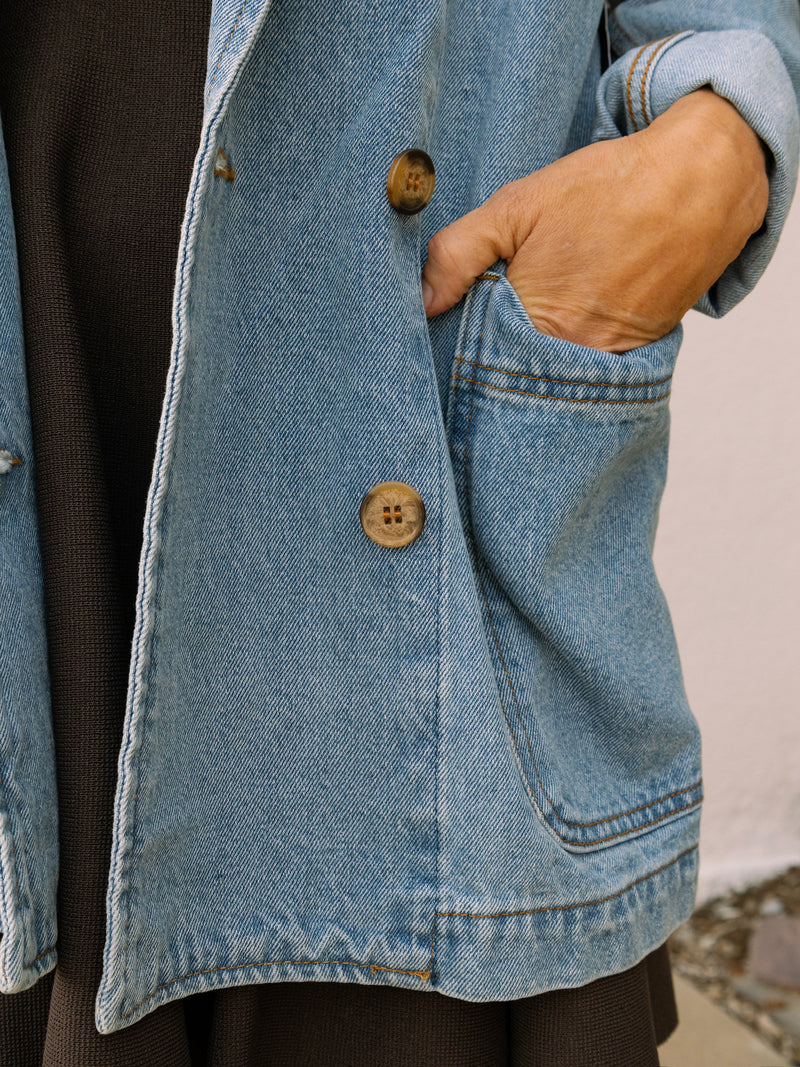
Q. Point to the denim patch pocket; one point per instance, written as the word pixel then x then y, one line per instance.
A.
pixel 559 454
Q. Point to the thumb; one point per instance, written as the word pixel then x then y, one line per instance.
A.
pixel 458 253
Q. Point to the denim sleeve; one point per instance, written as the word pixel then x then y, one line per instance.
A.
pixel 748 52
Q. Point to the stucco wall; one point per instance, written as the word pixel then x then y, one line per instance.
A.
pixel 728 558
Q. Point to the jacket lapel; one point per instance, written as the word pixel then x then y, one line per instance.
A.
pixel 234 28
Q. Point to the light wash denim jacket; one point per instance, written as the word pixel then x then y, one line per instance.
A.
pixel 464 765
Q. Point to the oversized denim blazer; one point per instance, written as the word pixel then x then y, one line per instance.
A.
pixel 464 765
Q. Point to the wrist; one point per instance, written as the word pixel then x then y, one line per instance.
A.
pixel 707 130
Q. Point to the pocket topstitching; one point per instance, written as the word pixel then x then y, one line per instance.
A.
pixel 559 454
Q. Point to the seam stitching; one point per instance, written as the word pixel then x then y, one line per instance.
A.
pixel 14 860
pixel 46 952
pixel 440 635
pixel 423 975
pixel 570 399
pixel 15 894
pixel 436 915
pixel 570 907
pixel 479 574
pixel 150 587
pixel 225 48
pixel 488 276
pixel 144 635
pixel 655 53
pixel 564 822
pixel 157 587
pixel 562 381
pixel 636 59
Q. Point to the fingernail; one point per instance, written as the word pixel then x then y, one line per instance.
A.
pixel 427 294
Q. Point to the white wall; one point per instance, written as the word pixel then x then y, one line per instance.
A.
pixel 728 558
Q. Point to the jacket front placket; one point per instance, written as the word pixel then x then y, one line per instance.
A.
pixel 286 647
pixel 233 30
pixel 28 798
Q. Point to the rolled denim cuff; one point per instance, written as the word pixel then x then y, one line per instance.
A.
pixel 745 67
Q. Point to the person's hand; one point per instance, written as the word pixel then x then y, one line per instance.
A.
pixel 611 245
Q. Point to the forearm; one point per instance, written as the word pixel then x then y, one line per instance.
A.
pixel 725 164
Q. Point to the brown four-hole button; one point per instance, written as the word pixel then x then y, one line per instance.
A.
pixel 410 181
pixel 392 514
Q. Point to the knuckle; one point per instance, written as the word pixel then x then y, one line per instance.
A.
pixel 441 250
pixel 437 243
pixel 513 198
pixel 512 214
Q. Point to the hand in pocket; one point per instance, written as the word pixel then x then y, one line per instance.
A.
pixel 609 246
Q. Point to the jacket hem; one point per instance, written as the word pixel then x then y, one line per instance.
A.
pixel 515 954
pixel 18 979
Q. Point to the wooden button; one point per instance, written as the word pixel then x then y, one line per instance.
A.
pixel 410 181
pixel 392 514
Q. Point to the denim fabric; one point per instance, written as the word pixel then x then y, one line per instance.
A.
pixel 28 801
pixel 466 765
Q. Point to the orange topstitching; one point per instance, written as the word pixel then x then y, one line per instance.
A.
pixel 581 844
pixel 426 974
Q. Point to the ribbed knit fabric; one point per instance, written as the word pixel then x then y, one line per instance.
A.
pixel 101 106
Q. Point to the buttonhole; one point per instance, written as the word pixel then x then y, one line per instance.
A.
pixel 7 461
pixel 221 167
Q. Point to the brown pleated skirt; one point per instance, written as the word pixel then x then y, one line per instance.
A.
pixel 101 105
